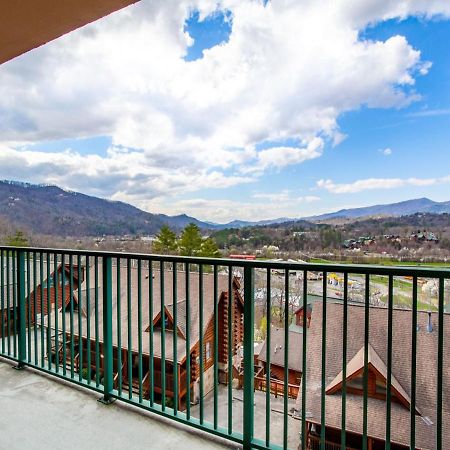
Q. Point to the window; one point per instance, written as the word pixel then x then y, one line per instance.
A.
pixel 208 351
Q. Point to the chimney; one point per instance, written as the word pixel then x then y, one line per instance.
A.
pixel 429 326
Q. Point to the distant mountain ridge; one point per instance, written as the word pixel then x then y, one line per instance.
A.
pixel 48 209
pixel 419 205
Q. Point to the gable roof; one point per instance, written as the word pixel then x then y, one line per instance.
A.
pixel 308 309
pixel 375 364
pixel 295 351
pixel 426 372
pixel 132 316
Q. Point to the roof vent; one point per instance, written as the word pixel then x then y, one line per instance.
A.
pixel 429 325
pixel 427 420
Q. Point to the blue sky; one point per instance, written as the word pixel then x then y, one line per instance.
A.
pixel 237 111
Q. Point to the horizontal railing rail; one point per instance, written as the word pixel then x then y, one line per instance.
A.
pixel 177 336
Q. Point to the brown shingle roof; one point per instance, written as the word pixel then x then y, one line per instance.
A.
pixel 194 307
pixel 426 373
pixel 295 353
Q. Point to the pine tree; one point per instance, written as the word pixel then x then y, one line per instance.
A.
pixel 166 241
pixel 190 241
pixel 209 248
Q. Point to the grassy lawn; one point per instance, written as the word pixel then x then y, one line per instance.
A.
pixel 400 284
pixel 385 262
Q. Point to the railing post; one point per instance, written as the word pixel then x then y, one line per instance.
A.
pixel 107 331
pixel 22 336
pixel 249 320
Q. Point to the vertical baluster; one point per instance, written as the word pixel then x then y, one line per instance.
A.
pixel 440 365
pixel 150 337
pixel 87 270
pixel 230 349
pixel 15 303
pixel 63 316
pixel 71 324
pixel 286 358
pixel 389 362
pixel 49 310
pixel 28 305
pixel 96 324
pixel 56 288
pixel 119 326
pixel 188 344
pixel 130 343
pixel 413 366
pixel 304 350
pixel 344 363
pixel 107 331
pixel 21 332
pixel 249 320
pixel 2 282
pixel 35 315
pixel 8 299
pixel 324 359
pixel 163 337
pixel 366 359
pixel 41 304
pixel 216 346
pixel 201 343
pixel 175 338
pixel 268 347
pixel 139 326
pixel 80 321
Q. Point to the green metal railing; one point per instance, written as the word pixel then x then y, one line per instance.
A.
pixel 92 318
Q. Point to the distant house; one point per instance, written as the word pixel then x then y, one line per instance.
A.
pixel 424 236
pixel 426 376
pixel 125 312
pixel 298 315
pixel 278 365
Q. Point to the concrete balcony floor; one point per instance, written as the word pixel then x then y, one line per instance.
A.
pixel 42 412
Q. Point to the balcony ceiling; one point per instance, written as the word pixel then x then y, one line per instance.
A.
pixel 27 24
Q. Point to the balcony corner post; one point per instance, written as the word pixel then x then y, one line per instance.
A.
pixel 249 322
pixel 107 332
pixel 21 337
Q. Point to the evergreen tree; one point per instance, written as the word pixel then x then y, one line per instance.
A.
pixel 209 248
pixel 190 241
pixel 166 241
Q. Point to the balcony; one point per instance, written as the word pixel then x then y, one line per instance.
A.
pixel 174 337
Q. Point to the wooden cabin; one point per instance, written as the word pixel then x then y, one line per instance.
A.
pixel 43 289
pixel 426 376
pixel 162 332
pixel 277 365
pixel 298 315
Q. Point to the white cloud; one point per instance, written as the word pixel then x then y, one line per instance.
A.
pixel 121 175
pixel 287 72
pixel 385 151
pixel 260 207
pixel 378 183
pixel 285 196
pixel 430 113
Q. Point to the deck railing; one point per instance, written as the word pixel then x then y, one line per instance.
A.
pixel 52 300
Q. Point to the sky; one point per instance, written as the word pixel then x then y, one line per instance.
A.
pixel 238 109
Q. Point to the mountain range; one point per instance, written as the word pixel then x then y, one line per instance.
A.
pixel 50 210
pixel 405 208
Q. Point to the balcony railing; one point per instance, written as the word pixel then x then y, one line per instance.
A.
pixel 164 332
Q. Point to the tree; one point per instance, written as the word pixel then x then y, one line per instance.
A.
pixel 166 241
pixel 17 240
pixel 209 248
pixel 190 241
